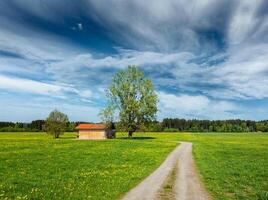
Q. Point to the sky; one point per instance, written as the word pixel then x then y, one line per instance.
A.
pixel 207 59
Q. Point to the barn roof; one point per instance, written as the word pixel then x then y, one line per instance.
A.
pixel 91 127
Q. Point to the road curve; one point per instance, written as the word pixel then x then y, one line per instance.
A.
pixel 187 185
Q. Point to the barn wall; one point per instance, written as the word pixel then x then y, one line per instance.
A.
pixel 93 135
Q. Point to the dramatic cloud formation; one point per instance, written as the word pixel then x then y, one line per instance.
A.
pixel 207 59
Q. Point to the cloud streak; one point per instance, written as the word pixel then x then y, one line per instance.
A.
pixel 28 86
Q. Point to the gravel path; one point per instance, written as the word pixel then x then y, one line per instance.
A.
pixel 187 185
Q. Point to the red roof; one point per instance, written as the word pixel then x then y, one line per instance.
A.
pixel 91 127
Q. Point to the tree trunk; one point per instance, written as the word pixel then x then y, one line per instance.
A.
pixel 130 134
pixel 57 135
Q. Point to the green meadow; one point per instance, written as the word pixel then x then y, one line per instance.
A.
pixel 36 166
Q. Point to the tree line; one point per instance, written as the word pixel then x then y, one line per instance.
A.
pixel 236 125
pixel 34 126
pixel 167 125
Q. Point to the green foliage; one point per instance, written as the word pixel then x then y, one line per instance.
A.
pixel 152 126
pixel 34 126
pixel 37 125
pixel 133 97
pixel 171 130
pixel 35 166
pixel 262 126
pixel 56 123
pixel 12 129
pixel 215 125
pixel 107 116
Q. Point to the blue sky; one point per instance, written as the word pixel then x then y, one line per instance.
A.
pixel 208 59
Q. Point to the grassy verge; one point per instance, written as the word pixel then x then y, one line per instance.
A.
pixel 167 193
pixel 35 166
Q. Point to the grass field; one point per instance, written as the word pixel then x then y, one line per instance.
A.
pixel 234 166
pixel 35 166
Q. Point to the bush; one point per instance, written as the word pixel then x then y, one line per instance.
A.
pixel 171 130
pixel 56 123
pixel 11 129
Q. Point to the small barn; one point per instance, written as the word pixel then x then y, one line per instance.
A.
pixel 94 132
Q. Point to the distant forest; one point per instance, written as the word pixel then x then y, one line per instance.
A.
pixel 236 125
pixel 167 125
pixel 34 126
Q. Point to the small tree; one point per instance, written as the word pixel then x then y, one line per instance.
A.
pixel 56 123
pixel 133 97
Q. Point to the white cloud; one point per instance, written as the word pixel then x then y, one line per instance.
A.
pixel 122 60
pixel 171 27
pixel 187 106
pixel 86 93
pixel 244 21
pixel 42 88
pixel 245 72
pixel 183 103
pixel 34 46
pixel 18 84
pixel 164 25
pixel 85 70
pixel 80 26
pixel 40 107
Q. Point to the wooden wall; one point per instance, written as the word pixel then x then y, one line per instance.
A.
pixel 92 134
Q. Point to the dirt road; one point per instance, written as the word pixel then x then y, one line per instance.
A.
pixel 186 186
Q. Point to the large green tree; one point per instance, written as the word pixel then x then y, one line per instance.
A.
pixel 133 98
pixel 56 123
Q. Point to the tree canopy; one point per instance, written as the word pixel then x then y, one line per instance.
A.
pixel 132 96
pixel 56 123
